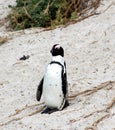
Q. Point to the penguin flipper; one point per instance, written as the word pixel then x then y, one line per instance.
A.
pixel 39 90
pixel 65 86
pixel 66 104
pixel 64 81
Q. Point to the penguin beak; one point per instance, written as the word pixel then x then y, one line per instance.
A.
pixel 51 51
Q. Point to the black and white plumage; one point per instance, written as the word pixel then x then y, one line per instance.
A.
pixel 54 84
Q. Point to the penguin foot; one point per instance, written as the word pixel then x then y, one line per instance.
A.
pixel 49 111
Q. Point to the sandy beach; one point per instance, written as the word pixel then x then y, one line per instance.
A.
pixel 90 57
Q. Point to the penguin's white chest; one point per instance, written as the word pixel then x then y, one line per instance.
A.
pixel 52 86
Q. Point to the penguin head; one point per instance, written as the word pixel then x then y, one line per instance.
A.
pixel 57 50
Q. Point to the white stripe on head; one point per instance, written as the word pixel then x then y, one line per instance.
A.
pixel 57 46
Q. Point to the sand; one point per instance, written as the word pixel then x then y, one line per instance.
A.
pixel 90 57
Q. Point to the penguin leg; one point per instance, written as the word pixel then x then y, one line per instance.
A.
pixel 49 111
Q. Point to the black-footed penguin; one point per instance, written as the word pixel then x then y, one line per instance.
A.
pixel 54 84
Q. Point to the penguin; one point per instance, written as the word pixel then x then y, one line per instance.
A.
pixel 54 85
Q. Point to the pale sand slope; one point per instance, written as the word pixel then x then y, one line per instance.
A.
pixel 90 56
